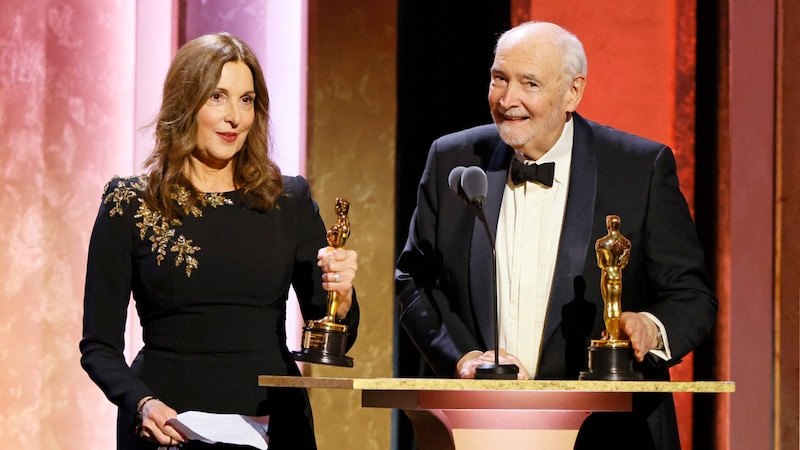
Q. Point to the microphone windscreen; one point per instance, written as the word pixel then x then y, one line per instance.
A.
pixel 474 183
pixel 454 180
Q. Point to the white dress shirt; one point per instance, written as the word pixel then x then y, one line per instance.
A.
pixel 528 233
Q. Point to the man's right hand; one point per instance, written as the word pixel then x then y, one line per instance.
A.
pixel 465 368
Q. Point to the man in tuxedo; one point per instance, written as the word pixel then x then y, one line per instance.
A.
pixel 553 177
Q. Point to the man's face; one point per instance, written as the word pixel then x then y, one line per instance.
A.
pixel 529 94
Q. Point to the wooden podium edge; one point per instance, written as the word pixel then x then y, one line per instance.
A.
pixel 699 387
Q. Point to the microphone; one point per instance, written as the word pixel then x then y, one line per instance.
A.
pixel 454 181
pixel 474 185
pixel 471 185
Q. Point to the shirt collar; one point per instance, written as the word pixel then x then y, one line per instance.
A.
pixel 560 153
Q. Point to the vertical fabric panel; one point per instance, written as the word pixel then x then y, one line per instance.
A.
pixel 351 153
pixel 66 125
pixel 787 247
pixel 749 193
pixel 155 45
pixel 246 19
pixel 711 412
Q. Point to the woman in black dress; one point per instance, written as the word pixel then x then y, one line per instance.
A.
pixel 209 243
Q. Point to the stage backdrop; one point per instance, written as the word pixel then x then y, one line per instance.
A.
pixel 66 126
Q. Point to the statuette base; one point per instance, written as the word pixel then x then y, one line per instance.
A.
pixel 611 363
pixel 324 345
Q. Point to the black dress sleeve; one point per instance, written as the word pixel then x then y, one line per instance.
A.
pixel 107 294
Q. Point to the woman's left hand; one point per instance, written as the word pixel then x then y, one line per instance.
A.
pixel 339 268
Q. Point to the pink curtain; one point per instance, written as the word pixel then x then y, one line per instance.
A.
pixel 66 126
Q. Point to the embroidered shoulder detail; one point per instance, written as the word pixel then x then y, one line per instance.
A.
pixel 161 230
pixel 124 191
pixel 181 195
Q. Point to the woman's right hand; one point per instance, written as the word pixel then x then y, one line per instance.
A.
pixel 154 427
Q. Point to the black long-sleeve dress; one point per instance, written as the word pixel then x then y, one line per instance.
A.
pixel 210 290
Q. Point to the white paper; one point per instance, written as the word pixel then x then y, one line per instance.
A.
pixel 223 428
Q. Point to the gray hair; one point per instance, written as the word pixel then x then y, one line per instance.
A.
pixel 572 54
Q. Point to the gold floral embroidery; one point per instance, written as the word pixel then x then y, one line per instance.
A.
pixel 162 231
pixel 185 250
pixel 181 195
pixel 122 194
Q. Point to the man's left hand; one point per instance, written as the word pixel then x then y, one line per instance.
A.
pixel 641 331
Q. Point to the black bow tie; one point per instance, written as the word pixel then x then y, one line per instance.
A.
pixel 521 172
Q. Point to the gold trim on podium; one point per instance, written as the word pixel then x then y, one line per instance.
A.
pixel 445 384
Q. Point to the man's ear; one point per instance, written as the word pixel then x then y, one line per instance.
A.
pixel 575 92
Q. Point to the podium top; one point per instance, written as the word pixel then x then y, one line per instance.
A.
pixel 446 384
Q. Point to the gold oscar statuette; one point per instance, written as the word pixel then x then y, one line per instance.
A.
pixel 611 358
pixel 324 340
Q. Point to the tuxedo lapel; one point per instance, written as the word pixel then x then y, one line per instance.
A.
pixel 576 231
pixel 482 284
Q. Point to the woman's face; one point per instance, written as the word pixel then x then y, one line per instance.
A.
pixel 224 121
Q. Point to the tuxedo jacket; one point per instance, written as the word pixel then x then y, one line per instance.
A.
pixel 444 280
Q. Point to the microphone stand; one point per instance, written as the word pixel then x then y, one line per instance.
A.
pixel 494 371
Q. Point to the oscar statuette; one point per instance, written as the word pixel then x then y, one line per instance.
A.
pixel 324 340
pixel 611 358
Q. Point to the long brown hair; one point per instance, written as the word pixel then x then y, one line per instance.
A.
pixel 192 77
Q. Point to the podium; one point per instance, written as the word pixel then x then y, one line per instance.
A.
pixel 450 414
